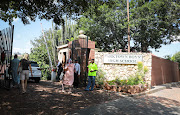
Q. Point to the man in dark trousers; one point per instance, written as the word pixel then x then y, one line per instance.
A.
pixel 76 74
pixel 92 69
pixel 59 70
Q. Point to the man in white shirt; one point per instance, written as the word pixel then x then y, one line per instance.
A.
pixel 76 74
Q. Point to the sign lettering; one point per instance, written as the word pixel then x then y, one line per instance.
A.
pixel 122 58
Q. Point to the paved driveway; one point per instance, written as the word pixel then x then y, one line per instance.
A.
pixel 164 102
pixel 172 93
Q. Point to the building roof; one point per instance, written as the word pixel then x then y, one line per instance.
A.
pixel 62 46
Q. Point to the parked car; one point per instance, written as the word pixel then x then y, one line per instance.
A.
pixel 36 71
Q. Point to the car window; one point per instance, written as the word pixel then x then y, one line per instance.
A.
pixel 34 64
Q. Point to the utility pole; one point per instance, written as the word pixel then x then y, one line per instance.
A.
pixel 54 43
pixel 128 26
pixel 46 47
pixel 53 77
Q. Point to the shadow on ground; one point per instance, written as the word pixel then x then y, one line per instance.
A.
pixel 133 106
pixel 45 98
pixel 143 105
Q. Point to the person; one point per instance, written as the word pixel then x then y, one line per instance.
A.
pixel 24 75
pixel 92 69
pixel 76 74
pixel 14 67
pixel 59 69
pixel 68 78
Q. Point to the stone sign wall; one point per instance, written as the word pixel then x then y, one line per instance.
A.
pixel 122 64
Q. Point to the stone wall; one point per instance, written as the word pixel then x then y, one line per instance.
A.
pixel 123 71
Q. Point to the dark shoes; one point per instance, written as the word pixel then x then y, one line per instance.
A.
pixel 75 86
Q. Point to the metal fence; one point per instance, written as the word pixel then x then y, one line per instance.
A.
pixel 6 43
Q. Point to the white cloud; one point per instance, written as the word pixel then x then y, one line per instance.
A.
pixel 25 49
pixel 15 50
pixel 21 50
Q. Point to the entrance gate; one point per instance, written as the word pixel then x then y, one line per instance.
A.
pixel 6 42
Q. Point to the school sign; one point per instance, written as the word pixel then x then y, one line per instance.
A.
pixel 122 58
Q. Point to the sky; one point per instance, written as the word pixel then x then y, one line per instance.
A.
pixel 24 33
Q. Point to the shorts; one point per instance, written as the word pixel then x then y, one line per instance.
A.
pixel 24 75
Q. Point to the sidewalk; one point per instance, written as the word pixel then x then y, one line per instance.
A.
pixel 157 88
pixel 140 104
pixel 171 92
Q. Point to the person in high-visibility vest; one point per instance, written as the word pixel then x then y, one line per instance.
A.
pixel 92 69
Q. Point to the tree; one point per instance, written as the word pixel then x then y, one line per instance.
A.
pixel 154 22
pixel 43 9
pixel 40 55
pixel 168 57
pixel 106 24
pixel 39 52
pixel 176 58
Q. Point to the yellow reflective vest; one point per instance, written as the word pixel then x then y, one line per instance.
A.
pixel 92 67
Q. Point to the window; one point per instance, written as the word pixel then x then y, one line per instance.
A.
pixel 34 64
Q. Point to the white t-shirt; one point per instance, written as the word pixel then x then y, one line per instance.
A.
pixel 77 68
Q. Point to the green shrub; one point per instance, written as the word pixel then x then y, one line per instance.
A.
pixel 100 78
pixel 141 71
pixel 140 66
pixel 131 81
pixel 145 69
pixel 46 72
pixel 111 82
pixel 138 78
pixel 117 81
pixel 135 80
pixel 123 82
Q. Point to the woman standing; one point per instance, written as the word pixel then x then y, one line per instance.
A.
pixel 24 75
pixel 69 75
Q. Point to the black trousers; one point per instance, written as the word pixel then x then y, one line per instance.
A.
pixel 59 73
pixel 76 80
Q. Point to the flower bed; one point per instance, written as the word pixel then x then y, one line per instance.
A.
pixel 135 83
pixel 132 89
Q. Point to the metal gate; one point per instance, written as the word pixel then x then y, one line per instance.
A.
pixel 80 51
pixel 6 42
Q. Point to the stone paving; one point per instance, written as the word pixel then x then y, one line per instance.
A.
pixel 172 93
pixel 164 102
